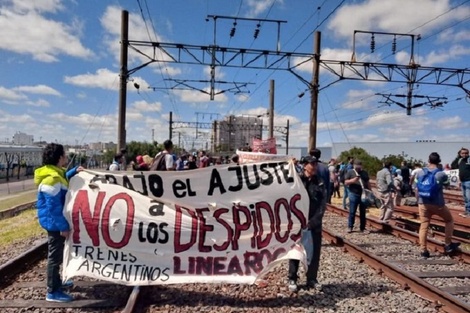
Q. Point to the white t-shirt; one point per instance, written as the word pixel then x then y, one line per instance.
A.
pixel 413 174
pixel 169 162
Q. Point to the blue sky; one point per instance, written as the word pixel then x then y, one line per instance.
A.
pixel 60 65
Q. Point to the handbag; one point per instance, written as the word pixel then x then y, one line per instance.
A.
pixel 367 197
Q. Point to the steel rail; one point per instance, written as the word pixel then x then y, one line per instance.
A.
pixel 447 302
pixel 22 261
pixel 391 228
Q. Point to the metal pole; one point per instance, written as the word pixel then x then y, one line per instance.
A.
pixel 271 109
pixel 287 138
pixel 123 75
pixel 230 133
pixel 312 141
pixel 214 137
pixel 171 125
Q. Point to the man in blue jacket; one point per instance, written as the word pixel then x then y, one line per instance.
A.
pixel 52 182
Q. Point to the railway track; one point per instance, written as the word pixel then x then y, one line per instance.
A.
pixel 405 267
pixel 20 277
pixel 24 275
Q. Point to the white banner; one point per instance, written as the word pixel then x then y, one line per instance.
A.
pixel 453 177
pixel 218 224
pixel 254 157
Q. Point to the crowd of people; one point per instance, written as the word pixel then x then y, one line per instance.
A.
pixel 167 160
pixel 321 180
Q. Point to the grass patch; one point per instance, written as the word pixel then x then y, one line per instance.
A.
pixel 20 227
pixel 21 198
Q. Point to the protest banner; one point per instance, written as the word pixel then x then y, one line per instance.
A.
pixel 453 175
pixel 264 145
pixel 255 157
pixel 221 224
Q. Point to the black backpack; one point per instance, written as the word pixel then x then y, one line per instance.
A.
pixel 159 163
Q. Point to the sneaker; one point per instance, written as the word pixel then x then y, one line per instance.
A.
pixel 466 214
pixel 350 230
pixel 313 284
pixel 425 254
pixel 293 285
pixel 67 284
pixel 451 247
pixel 58 296
pixel 365 231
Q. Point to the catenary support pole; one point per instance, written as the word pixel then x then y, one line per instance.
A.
pixel 171 126
pixel 271 108
pixel 287 138
pixel 123 76
pixel 312 140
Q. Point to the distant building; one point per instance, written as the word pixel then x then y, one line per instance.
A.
pixel 235 132
pixel 22 139
pixel 102 146
pixel 14 155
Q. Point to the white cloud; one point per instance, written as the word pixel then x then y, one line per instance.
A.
pixel 11 95
pixel 198 96
pixel 38 89
pixel 452 122
pixel 51 6
pixel 54 38
pixel 382 15
pixel 450 35
pixel 144 106
pixel 38 103
pixel 103 78
pixel 257 7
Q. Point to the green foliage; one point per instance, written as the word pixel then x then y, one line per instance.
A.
pixel 373 164
pixel 135 148
pixel 77 159
pixel 370 163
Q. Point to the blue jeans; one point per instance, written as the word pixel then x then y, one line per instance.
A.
pixel 55 256
pixel 466 195
pixel 354 203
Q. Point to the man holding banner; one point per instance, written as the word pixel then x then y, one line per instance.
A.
pixel 316 191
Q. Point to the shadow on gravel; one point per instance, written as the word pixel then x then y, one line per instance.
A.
pixel 245 297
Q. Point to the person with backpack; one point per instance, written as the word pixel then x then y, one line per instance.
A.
pixel 164 161
pixel 429 184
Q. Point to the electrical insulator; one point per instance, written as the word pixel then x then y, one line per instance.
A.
pixel 255 35
pixel 232 31
pixel 372 43
pixel 394 45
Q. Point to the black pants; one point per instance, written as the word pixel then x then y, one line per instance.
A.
pixel 312 270
pixel 55 258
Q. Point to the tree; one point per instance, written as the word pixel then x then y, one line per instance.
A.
pixel 370 163
pixel 373 164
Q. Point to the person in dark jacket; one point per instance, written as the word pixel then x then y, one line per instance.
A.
pixel 357 179
pixel 316 189
pixel 462 163
pixel 52 182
